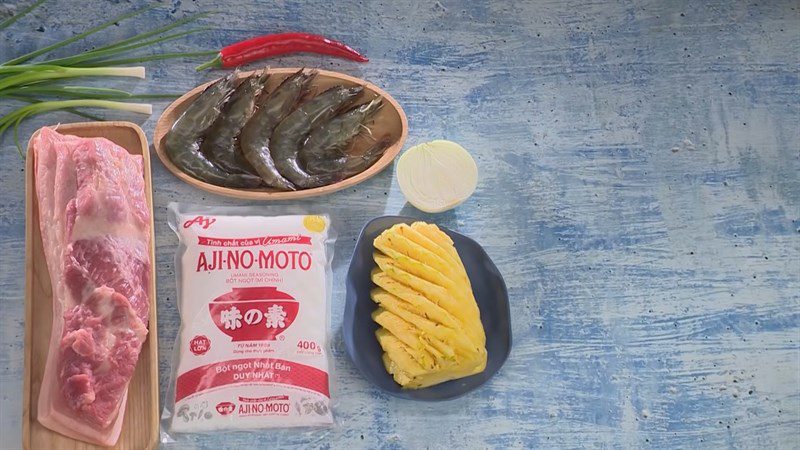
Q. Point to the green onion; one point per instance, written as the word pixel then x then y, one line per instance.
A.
pixel 29 82
pixel 99 54
pixel 15 117
pixel 155 32
pixel 26 68
pixel 80 92
pixel 70 72
pixel 155 57
pixel 27 99
pixel 77 37
pixel 38 108
pixel 6 23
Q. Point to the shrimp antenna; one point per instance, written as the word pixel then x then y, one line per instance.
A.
pixel 369 131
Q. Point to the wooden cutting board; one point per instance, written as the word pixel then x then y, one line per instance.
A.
pixel 140 429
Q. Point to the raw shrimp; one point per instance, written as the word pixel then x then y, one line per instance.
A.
pixel 255 137
pixel 353 165
pixel 293 130
pixel 346 166
pixel 330 139
pixel 219 143
pixel 182 141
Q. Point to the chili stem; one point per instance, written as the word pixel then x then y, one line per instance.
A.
pixel 216 62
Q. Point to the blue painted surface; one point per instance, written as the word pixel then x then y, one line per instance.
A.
pixel 639 191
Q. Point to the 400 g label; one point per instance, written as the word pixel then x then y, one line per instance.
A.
pixel 308 347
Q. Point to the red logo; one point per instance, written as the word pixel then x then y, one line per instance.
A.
pixel 225 408
pixel 254 314
pixel 199 345
pixel 204 222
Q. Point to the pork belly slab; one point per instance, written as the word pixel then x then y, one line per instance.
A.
pixel 95 227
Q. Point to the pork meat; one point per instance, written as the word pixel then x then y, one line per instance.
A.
pixel 95 227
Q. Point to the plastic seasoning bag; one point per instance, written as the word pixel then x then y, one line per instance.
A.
pixel 253 295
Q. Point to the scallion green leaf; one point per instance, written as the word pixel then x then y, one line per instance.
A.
pixel 27 99
pixel 96 56
pixel 77 37
pixel 15 117
pixel 7 23
pixel 155 57
pixel 155 32
pixel 70 72
pixel 80 92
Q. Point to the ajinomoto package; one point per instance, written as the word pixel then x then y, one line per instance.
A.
pixel 253 295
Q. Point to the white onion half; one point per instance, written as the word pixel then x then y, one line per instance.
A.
pixel 437 176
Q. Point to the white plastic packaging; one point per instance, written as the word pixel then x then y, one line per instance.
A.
pixel 253 295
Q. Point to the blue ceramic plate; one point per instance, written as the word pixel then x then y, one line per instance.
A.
pixel 359 329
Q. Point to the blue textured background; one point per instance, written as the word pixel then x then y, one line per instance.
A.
pixel 639 189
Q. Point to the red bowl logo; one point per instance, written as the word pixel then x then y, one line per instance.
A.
pixel 225 408
pixel 254 314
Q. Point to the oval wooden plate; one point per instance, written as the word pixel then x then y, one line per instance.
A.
pixel 390 120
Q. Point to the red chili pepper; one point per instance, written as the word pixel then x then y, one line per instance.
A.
pixel 280 44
